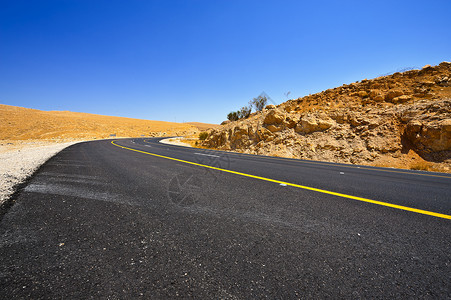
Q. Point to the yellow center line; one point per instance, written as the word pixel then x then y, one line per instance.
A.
pixel 328 164
pixel 406 208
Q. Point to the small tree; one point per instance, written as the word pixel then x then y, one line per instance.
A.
pixel 259 103
pixel 233 116
pixel 244 112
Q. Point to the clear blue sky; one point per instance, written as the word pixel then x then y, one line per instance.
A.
pixel 192 60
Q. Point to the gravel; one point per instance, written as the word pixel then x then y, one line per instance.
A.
pixel 18 164
pixel 175 141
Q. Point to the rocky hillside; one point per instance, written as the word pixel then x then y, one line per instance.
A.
pixel 400 120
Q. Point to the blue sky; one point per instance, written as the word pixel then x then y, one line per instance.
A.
pixel 192 60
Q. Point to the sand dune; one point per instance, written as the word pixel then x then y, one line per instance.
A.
pixel 203 126
pixel 17 123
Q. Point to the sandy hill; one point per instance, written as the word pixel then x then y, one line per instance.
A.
pixel 203 126
pixel 400 120
pixel 17 123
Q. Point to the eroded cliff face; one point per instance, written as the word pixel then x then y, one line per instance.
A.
pixel 401 120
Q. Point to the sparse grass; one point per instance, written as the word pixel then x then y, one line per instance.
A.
pixel 194 142
pixel 421 166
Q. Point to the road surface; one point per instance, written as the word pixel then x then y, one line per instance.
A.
pixel 136 218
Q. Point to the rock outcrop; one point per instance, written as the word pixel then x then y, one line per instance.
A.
pixel 397 120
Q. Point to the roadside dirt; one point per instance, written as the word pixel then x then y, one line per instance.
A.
pixel 18 161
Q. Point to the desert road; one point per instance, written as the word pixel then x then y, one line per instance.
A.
pixel 134 218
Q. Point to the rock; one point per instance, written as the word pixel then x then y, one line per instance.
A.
pixel 338 117
pixel 393 94
pixel 225 122
pixel 239 131
pixel 424 96
pixel 270 106
pixel 401 99
pixel 362 94
pixel 376 85
pixel 432 137
pixel 274 117
pixel 435 137
pixel 263 134
pixel 379 98
pixel 427 69
pixel 306 126
pixel 384 144
pixel 357 120
pixel 291 121
pixel 274 128
pixel 446 125
pixel 324 124
pixel 373 93
pixel 414 126
pixel 443 81
pixel 427 83
pixel 309 124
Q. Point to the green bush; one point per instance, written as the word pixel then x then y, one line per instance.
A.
pixel 233 116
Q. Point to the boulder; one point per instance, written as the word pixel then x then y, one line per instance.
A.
pixel 379 98
pixel 263 134
pixel 446 125
pixel 436 137
pixel 393 94
pixel 427 83
pixel 432 137
pixel 239 132
pixel 274 128
pixel 413 127
pixel 427 69
pixel 443 81
pixel 274 117
pixel 324 124
pixel 362 94
pixel 373 93
pixel 357 119
pixel 401 99
pixel 310 124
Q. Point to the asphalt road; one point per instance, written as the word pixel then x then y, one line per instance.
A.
pixel 100 220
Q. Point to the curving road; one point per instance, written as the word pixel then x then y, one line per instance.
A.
pixel 136 218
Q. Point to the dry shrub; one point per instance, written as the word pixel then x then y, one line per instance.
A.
pixel 422 166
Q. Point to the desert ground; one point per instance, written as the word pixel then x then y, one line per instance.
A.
pixel 29 137
pixel 19 123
